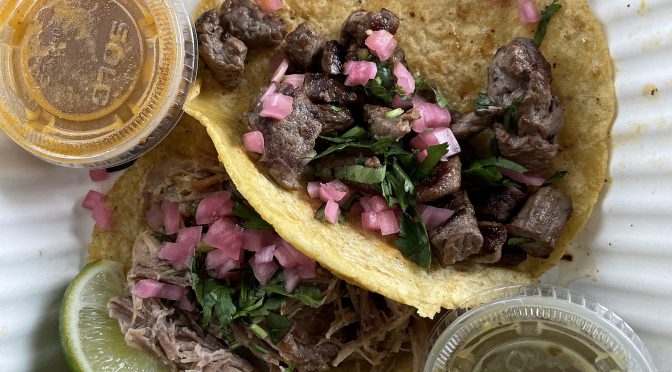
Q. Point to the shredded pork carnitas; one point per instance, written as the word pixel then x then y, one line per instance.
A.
pixel 352 325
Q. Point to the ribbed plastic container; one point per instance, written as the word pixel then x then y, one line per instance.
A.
pixel 93 84
pixel 534 328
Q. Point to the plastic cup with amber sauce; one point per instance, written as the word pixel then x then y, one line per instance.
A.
pixel 534 328
pixel 93 83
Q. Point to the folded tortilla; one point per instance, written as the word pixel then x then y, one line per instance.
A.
pixel 451 43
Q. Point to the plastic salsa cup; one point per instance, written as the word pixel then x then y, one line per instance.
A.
pixel 93 83
pixel 534 328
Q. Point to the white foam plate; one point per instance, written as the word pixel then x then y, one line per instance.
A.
pixel 44 232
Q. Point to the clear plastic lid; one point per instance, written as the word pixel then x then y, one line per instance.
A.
pixel 93 83
pixel 534 328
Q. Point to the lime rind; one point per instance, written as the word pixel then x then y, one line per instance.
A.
pixel 91 340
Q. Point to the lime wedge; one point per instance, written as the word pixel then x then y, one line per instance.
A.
pixel 91 340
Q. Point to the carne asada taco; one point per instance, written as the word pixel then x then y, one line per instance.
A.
pixel 415 149
pixel 247 301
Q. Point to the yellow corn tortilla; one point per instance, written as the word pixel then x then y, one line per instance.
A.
pixel 188 140
pixel 452 43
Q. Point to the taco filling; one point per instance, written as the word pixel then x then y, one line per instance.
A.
pixel 374 143
pixel 214 288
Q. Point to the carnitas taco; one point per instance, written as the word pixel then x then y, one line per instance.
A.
pixel 422 150
pixel 211 286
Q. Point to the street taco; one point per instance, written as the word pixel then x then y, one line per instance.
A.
pixel 456 52
pixel 211 287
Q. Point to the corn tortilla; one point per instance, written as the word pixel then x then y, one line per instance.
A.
pixel 451 43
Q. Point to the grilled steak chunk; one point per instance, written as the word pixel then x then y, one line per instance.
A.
pixel 512 256
pixel 459 237
pixel 532 152
pixel 470 125
pixel 542 218
pixel 520 70
pixel 327 89
pixel 497 204
pixel 303 47
pixel 494 238
pixel 332 58
pixel 245 20
pixel 224 55
pixel 381 126
pixel 445 181
pixel 334 119
pixel 288 142
pixel 354 28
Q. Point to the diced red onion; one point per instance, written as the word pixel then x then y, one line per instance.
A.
pixel 265 254
pixel 370 221
pixel 276 106
pixel 528 12
pixel 292 279
pixel 103 217
pixel 526 178
pixel 255 240
pixel 147 288
pixel 268 6
pixel 306 271
pixel 270 90
pixel 434 217
pixel 375 203
pixel 280 71
pixel 154 217
pixel 254 142
pixel 180 252
pixel 431 116
pixel 314 189
pixel 186 305
pixel 381 43
pixel 404 78
pixel 213 207
pixel 332 212
pixel 422 155
pixel 220 266
pixel 98 175
pixel 388 222
pixel 227 237
pixel 359 72
pixel 431 138
pixel 93 199
pixel 397 102
pixel 171 217
pixel 289 257
pixel 334 190
pixel 295 80
pixel 263 271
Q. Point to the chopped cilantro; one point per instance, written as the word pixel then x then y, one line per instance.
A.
pixel 546 16
pixel 512 242
pixel 361 174
pixel 421 83
pixel 398 187
pixel 278 326
pixel 394 113
pixel 511 114
pixel 434 155
pixel 484 104
pixel 259 331
pixel 335 108
pixel 250 217
pixel 486 172
pixel 557 176
pixel 413 239
pixel 383 86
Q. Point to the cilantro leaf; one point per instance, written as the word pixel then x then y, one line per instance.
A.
pixel 434 155
pixel 252 219
pixel 518 241
pixel 349 136
pixel 383 86
pixel 278 326
pixel 413 239
pixel 306 294
pixel 546 16
pixel 484 104
pixel 511 114
pixel 361 174
pixel 441 100
pixel 486 172
pixel 213 296
pixel 557 176
pixel 399 185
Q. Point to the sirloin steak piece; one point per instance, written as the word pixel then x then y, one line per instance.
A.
pixel 245 20
pixel 303 47
pixel 542 218
pixel 459 237
pixel 445 180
